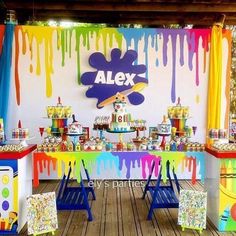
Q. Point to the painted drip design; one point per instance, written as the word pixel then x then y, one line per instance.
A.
pixel 117 161
pixel 110 38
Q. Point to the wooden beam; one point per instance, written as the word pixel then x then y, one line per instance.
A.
pixel 123 18
pixel 179 7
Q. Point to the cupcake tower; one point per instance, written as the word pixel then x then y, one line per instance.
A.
pixel 59 115
pixel 178 116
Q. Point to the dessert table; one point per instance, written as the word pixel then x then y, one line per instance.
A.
pixel 16 185
pixel 220 183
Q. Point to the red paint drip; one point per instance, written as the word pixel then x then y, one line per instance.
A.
pixel 42 161
pixel 36 173
pixel 2 32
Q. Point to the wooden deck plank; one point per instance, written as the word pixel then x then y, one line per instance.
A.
pixel 161 217
pixel 111 226
pixel 102 219
pixel 77 220
pixel 96 206
pixel 127 215
pixel 147 226
pixel 121 211
pixel 134 208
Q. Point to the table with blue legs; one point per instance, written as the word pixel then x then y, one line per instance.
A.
pixel 147 164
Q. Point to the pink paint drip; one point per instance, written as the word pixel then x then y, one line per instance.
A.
pixel 148 160
pixel 194 45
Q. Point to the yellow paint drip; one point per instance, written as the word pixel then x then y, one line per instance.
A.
pixel 73 159
pixel 175 159
pixel 197 98
pixel 41 36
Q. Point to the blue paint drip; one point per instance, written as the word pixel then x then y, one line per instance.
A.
pixel 109 161
pixel 200 160
pixel 5 71
pixel 137 35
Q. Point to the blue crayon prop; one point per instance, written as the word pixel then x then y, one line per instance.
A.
pixel 223 219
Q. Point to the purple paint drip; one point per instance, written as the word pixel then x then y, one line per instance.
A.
pixel 129 158
pixel 192 37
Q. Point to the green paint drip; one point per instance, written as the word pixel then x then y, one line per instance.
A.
pixel 109 34
pixel 175 158
pixel 63 47
pixel 70 37
pixel 58 38
pixel 82 33
pixel 83 37
pixel 66 40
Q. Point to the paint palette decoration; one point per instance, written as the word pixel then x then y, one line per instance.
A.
pixel 42 213
pixel 192 209
pixel 6 191
pixel 116 75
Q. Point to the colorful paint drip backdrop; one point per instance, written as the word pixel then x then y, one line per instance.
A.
pixel 118 161
pixel 110 36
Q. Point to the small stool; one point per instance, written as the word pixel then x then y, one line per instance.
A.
pixel 162 196
pixel 75 198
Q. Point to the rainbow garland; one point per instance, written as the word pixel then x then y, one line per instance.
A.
pixel 117 161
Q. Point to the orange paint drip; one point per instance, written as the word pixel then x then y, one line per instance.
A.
pixel 194 173
pixel 31 68
pixel 223 171
pixel 17 81
pixel 23 40
pixel 191 165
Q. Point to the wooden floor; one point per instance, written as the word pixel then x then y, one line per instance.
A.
pixel 121 211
